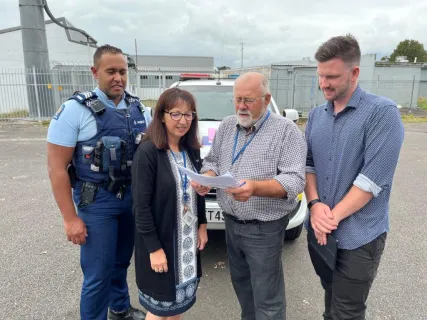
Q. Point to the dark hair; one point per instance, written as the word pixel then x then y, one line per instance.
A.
pixel 106 48
pixel 157 131
pixel 344 47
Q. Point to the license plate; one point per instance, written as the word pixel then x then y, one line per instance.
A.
pixel 214 215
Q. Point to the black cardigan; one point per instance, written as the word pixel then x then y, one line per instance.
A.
pixel 154 207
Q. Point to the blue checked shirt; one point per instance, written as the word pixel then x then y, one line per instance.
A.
pixel 359 146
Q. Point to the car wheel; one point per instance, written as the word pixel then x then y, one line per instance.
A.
pixel 293 233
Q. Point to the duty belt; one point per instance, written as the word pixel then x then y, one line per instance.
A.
pixel 113 187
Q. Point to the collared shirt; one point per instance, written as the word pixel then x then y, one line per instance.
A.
pixel 277 151
pixel 74 122
pixel 358 146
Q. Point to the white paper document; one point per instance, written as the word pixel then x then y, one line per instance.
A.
pixel 221 182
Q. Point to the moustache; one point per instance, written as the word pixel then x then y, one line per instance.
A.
pixel 244 113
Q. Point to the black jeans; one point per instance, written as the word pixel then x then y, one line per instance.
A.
pixel 355 271
pixel 255 258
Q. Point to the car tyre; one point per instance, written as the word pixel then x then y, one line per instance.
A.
pixel 293 233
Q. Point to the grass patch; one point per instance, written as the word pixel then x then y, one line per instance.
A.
pixel 15 114
pixel 410 118
pixel 45 123
pixel 149 103
pixel 302 121
pixel 422 103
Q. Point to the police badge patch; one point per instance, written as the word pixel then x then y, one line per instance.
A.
pixel 58 113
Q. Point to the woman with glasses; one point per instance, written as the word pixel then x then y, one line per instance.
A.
pixel 170 216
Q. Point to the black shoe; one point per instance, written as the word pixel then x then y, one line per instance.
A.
pixel 131 314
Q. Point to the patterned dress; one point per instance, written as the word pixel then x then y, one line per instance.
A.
pixel 185 264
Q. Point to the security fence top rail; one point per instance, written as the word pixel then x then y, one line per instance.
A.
pixel 37 93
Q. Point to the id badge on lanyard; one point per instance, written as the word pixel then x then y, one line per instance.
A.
pixel 187 216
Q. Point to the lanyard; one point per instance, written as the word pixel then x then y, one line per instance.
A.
pixel 184 181
pixel 235 157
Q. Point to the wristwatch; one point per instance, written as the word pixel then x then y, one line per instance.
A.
pixel 312 202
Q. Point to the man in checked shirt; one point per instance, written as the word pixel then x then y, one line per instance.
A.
pixel 267 153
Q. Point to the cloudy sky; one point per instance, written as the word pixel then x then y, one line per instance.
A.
pixel 272 30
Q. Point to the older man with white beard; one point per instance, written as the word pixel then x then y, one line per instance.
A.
pixel 267 153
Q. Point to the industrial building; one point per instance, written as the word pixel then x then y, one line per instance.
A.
pixel 294 84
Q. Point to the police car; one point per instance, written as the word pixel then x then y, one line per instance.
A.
pixel 214 103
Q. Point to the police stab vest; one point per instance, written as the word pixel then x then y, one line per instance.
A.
pixel 106 158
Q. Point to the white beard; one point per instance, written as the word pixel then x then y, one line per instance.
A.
pixel 248 122
pixel 245 122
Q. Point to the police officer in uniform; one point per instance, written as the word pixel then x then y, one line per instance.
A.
pixel 91 142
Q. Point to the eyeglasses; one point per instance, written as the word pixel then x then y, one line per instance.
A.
pixel 247 101
pixel 178 115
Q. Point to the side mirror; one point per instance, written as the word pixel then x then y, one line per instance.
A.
pixel 291 114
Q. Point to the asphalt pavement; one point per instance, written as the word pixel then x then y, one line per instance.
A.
pixel 40 276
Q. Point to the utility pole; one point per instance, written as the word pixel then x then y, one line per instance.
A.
pixel 241 59
pixel 36 57
pixel 136 55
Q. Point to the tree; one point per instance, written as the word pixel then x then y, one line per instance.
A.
pixel 411 49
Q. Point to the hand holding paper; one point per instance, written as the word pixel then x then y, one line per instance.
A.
pixel 243 192
pixel 221 182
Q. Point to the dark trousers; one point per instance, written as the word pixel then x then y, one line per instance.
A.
pixel 106 255
pixel 355 271
pixel 255 259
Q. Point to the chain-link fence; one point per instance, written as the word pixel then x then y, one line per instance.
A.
pixel 37 94
pixel 304 93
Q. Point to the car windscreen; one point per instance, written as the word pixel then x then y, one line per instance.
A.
pixel 213 103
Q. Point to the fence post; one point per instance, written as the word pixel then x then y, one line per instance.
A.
pixel 293 88
pixel 412 93
pixel 277 87
pixel 37 93
pixel 378 84
pixel 138 84
pixel 160 82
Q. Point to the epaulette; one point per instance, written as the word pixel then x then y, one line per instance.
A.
pixel 83 96
pixel 90 100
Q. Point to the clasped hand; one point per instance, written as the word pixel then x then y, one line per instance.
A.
pixel 323 221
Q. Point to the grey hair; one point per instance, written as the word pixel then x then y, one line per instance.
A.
pixel 265 86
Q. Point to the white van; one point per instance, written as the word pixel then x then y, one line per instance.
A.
pixel 214 103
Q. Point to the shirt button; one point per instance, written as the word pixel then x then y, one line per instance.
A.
pixel 327 178
pixel 324 197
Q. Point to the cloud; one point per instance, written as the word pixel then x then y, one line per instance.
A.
pixel 272 30
pixel 116 29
